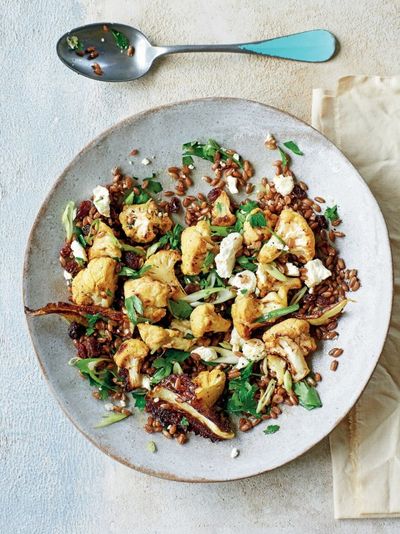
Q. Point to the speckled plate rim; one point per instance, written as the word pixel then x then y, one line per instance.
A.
pixel 58 183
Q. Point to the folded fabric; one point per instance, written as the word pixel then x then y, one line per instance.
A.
pixel 362 117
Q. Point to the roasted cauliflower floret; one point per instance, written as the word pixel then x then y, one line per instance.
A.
pixel 297 237
pixel 253 235
pixel 157 337
pixel 142 222
pixel 196 243
pixel 204 319
pixel 266 282
pixel 221 214
pixel 130 356
pixel 96 283
pixel 153 295
pixel 210 386
pixel 291 340
pixel 162 268
pixel 104 243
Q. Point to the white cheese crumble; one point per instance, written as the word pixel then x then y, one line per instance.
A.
pixel 236 156
pixel 122 403
pixel 102 39
pixel 67 276
pixel 244 280
pixel 292 270
pixel 232 185
pixel 235 452
pixel 146 161
pixel 206 353
pixel 316 272
pixel 191 166
pixel 225 259
pixel 146 382
pixel 78 251
pixel 108 407
pixel 283 184
pixel 254 350
pixel 101 199
pixel 242 362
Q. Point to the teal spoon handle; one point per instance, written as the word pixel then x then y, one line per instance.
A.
pixel 313 46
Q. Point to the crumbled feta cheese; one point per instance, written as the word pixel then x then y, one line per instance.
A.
pixel 78 251
pixel 234 452
pixel 102 39
pixel 242 362
pixel 244 280
pixel 236 156
pixel 236 341
pixel 292 270
pixel 109 406
pixel 191 166
pixel 283 184
pixel 146 382
pixel 67 276
pixel 225 259
pixel 101 199
pixel 146 161
pixel 232 185
pixel 122 403
pixel 316 273
pixel 207 354
pixel 254 350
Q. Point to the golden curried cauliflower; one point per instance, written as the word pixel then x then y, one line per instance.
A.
pixel 96 283
pixel 157 337
pixel 298 237
pixel 266 282
pixel 104 243
pixel 130 356
pixel 142 222
pixel 221 214
pixel 152 293
pixel 210 386
pixel 291 340
pixel 196 242
pixel 252 236
pixel 204 319
pixel 162 265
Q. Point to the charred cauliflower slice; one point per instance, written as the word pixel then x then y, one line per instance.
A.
pixel 291 340
pixel 196 242
pixel 297 237
pixel 153 295
pixel 221 214
pixel 130 356
pixel 96 283
pixel 157 337
pixel 104 243
pixel 142 222
pixel 162 268
pixel 177 404
pixel 204 319
pixel 252 236
pixel 210 386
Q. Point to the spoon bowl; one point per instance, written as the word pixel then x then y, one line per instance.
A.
pixel 109 62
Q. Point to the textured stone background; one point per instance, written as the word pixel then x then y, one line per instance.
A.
pixel 51 479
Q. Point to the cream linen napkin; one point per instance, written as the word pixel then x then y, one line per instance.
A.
pixel 362 117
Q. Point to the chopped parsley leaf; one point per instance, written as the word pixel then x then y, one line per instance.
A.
pixel 291 145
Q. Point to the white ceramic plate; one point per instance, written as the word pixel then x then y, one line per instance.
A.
pixel 159 134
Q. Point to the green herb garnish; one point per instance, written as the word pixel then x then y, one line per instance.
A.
pixel 273 314
pixel 184 422
pixel 131 273
pixel 121 40
pixel 284 157
pixel 242 399
pixel 165 364
pixel 208 261
pixel 180 309
pixel 92 320
pixel 139 397
pixel 307 395
pixel 271 429
pixel 222 231
pixel 206 151
pixel 291 145
pixel 247 263
pixel 257 220
pixel 102 378
pixel 130 248
pixel 133 306
pixel 74 43
pixel 331 213
pixel 110 418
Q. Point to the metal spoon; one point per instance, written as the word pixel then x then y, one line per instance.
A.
pixel 116 65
